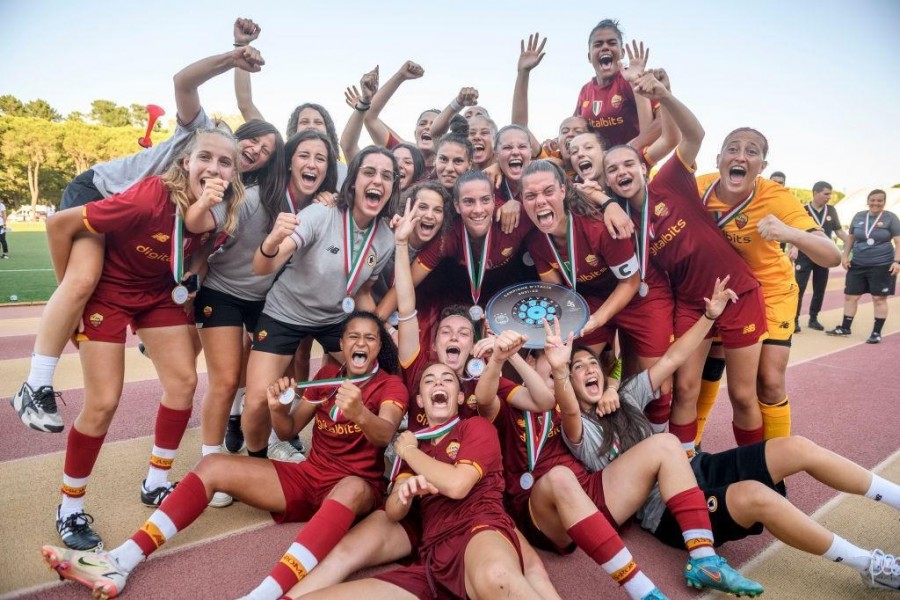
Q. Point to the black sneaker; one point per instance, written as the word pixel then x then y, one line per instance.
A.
pixel 814 324
pixel 838 331
pixel 143 349
pixel 37 408
pixel 234 435
pixel 153 498
pixel 297 444
pixel 76 532
pixel 875 338
pixel 797 328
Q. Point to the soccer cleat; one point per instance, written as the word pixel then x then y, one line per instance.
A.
pixel 714 572
pixel 76 532
pixel 655 595
pixel 37 408
pixel 234 435
pixel 838 331
pixel 883 572
pixel 5 256
pixel 153 498
pixel 797 328
pixel 297 443
pixel 284 452
pixel 220 500
pixel 95 570
pixel 814 324
pixel 875 338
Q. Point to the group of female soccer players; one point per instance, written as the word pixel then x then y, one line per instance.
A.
pixel 388 263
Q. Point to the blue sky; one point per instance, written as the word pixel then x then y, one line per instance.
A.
pixel 820 79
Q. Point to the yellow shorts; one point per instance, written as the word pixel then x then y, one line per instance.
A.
pixel 781 310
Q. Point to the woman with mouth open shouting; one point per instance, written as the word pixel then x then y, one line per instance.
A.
pixel 336 255
pixel 677 236
pixel 357 409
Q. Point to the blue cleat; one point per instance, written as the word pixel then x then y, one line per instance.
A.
pixel 714 572
pixel 655 595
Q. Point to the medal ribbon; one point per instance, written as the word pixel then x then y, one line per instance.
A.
pixel 569 274
pixel 872 228
pixel 176 260
pixel 643 234
pixel 429 433
pixel 476 277
pixel 353 262
pixel 723 219
pixel 535 437
pixel 335 382
pixel 820 220
pixel 289 200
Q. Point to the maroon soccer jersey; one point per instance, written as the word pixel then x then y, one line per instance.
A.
pixel 412 375
pixel 472 442
pixel 138 224
pixel 684 240
pixel 504 260
pixel 341 446
pixel 611 111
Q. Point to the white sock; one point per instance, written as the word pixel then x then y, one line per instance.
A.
pixel 885 491
pixel 842 551
pixel 207 450
pixel 42 369
pixel 128 555
pixel 237 407
pixel 659 427
pixel 157 476
pixel 71 504
pixel 267 590
pixel 638 586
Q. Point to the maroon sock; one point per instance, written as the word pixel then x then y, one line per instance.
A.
pixel 690 510
pixel 318 537
pixel 171 424
pixel 81 454
pixel 186 502
pixel 745 437
pixel 597 538
pixel 685 433
pixel 659 410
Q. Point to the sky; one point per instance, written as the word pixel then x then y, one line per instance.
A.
pixel 821 79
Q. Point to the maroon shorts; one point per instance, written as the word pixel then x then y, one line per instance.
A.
pixel 109 312
pixel 649 324
pixel 441 573
pixel 305 487
pixel 741 324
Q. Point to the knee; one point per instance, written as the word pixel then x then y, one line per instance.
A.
pixel 750 501
pixel 494 579
pixel 771 386
pixel 352 492
pixel 686 391
pixel 100 412
pixel 224 384
pixel 666 443
pixel 797 447
pixel 181 384
pixel 209 468
pixel 562 482
pixel 79 284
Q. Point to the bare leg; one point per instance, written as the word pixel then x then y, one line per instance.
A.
pixel 262 369
pixel 370 589
pixel 493 570
pixel 224 353
pixel 743 365
pixel 687 386
pixel 773 363
pixel 796 454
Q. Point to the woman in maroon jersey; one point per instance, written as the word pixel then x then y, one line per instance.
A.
pixel 681 240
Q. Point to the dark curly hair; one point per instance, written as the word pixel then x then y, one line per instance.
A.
pixel 388 359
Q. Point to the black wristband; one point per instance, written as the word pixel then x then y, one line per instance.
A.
pixel 263 252
pixel 709 317
pixel 603 205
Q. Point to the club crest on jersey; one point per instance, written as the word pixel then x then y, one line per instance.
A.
pixel 371 259
pixel 596 107
pixel 95 319
pixel 472 402
pixel 262 335
pixel 661 210
pixel 160 237
pixel 207 311
pixel 712 503
pixel 592 260
pixel 616 100
pixel 741 220
pixel 453 449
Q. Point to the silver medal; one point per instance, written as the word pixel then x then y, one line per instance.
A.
pixel 644 289
pixel 180 294
pixel 347 304
pixel 526 480
pixel 287 396
pixel 475 367
pixel 394 319
pixel 870 242
pixel 476 313
pixel 527 260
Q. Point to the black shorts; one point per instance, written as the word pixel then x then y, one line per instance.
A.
pixel 715 472
pixel 876 280
pixel 80 191
pixel 277 337
pixel 213 308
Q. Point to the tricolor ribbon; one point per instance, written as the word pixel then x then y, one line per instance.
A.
pixel 642 235
pixel 335 382
pixel 288 198
pixel 570 273
pixel 723 219
pixel 536 435
pixel 176 260
pixel 429 433
pixel 353 261
pixel 476 276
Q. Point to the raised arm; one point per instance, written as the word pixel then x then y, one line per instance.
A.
pixel 245 32
pixel 689 127
pixel 277 248
pixel 359 101
pixel 558 352
pixel 377 129
pixel 530 56
pixel 467 96
pixel 454 481
pixel 187 80
pixel 507 343
pixel 286 420
pixel 669 136
pixel 408 327
pixel 198 218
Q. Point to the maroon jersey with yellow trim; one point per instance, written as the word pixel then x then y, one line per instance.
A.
pixel 138 224
pixel 342 447
pixel 472 442
pixel 609 110
pixel 684 240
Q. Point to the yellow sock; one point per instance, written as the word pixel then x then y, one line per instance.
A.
pixel 709 391
pixel 776 419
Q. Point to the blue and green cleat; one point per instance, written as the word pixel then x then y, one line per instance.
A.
pixel 655 595
pixel 714 572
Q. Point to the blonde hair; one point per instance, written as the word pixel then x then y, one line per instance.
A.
pixel 176 180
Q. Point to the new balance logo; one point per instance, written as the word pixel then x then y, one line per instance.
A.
pixel 333 249
pixel 878 497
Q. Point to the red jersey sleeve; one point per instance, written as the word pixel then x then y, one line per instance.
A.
pixel 540 252
pixel 479 446
pixel 677 179
pixel 620 255
pixel 128 210
pixel 436 250
pixel 394 392
pixel 507 389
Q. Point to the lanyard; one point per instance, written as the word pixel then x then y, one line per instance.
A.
pixel 536 435
pixel 335 382
pixel 642 235
pixel 429 433
pixel 353 262
pixel 476 274
pixel 177 258
pixel 818 218
pixel 871 228
pixel 723 219
pixel 569 274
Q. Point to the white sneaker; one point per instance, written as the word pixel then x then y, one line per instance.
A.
pixel 883 572
pixel 220 500
pixel 284 452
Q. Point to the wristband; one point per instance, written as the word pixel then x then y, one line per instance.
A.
pixel 713 319
pixel 263 252
pixel 603 205
pixel 407 317
pixel 236 45
pixel 362 106
pixel 455 105
pixel 616 371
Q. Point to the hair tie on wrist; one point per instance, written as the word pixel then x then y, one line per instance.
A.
pixel 263 252
pixel 408 317
pixel 236 45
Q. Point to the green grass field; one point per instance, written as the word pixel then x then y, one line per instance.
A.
pixel 28 274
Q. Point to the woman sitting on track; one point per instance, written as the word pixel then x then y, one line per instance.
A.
pixel 744 487
pixel 146 246
pixel 356 410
